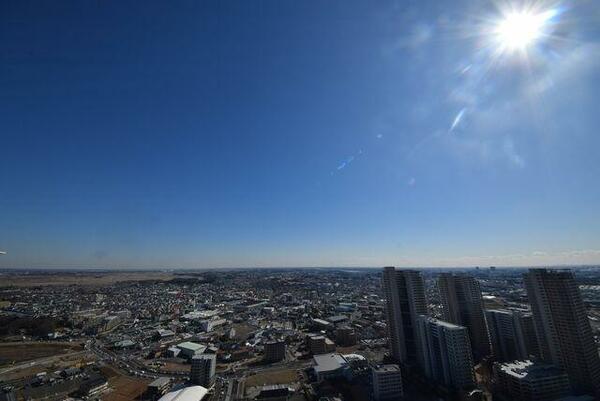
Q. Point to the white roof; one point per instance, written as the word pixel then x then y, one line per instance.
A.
pixel 191 346
pixel 355 357
pixel 329 362
pixel 193 393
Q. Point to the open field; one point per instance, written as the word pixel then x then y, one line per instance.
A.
pixel 272 377
pixel 242 330
pixel 175 367
pixel 79 278
pixel 19 352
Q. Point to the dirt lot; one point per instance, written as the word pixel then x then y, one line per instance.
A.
pixel 272 377
pixel 175 367
pixel 20 352
pixel 125 388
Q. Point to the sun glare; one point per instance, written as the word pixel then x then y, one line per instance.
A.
pixel 520 29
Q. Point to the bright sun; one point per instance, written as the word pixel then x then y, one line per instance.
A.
pixel 520 29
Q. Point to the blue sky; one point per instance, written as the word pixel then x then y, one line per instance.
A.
pixel 286 133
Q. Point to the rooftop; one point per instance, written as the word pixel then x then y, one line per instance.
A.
pixel 193 393
pixel 529 370
pixel 161 381
pixel 387 368
pixel 329 362
pixel 337 318
pixel 442 323
pixel 190 345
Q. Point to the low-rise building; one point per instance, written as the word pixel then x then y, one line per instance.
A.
pixel 329 366
pixel 275 392
pixel 321 324
pixel 193 393
pixel 319 344
pixel 93 386
pixel 387 383
pixel 163 334
pixel 158 387
pixel 529 381
pixel 345 336
pixel 337 319
pixel 188 349
pixel 210 325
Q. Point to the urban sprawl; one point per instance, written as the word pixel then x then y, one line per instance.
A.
pixel 301 335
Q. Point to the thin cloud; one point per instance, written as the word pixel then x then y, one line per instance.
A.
pixel 515 159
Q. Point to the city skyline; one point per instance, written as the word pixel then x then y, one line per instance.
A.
pixel 207 135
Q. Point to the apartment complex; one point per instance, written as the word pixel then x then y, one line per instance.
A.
pixel 446 353
pixel 512 334
pixel 562 326
pixel 463 305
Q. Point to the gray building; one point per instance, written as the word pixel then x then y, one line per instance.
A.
pixel 404 291
pixel 387 383
pixel 463 305
pixel 512 333
pixel 158 387
pixel 445 353
pixel 203 368
pixel 274 351
pixel 189 349
pixel 562 327
pixel 345 336
pixel 529 381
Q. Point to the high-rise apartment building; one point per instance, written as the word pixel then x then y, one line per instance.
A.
pixel 562 327
pixel 512 333
pixel 405 300
pixel 463 305
pixel 387 383
pixel 203 369
pixel 445 353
